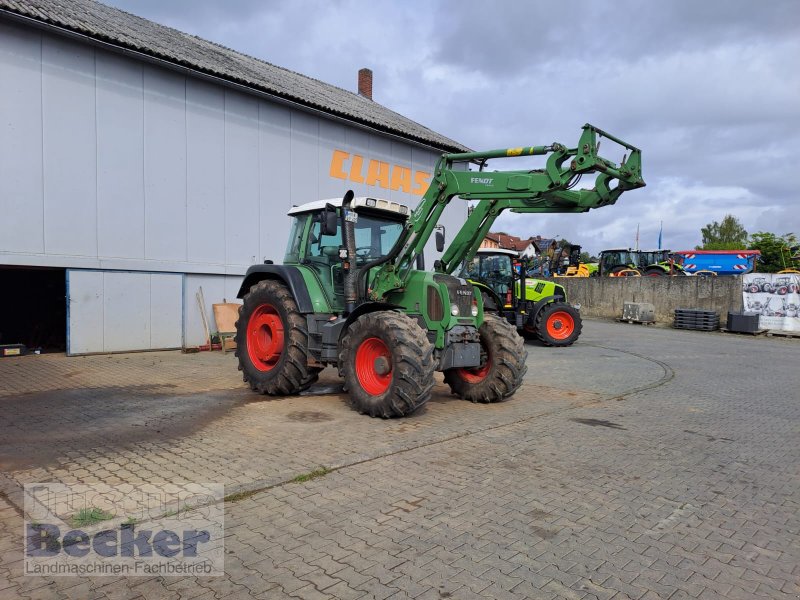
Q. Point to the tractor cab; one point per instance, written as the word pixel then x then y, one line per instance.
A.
pixel 315 237
pixel 615 261
pixel 493 267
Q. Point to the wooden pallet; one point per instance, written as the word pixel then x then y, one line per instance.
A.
pixel 757 332
pixel 786 334
pixel 637 322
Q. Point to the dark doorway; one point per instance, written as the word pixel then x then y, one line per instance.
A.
pixel 33 309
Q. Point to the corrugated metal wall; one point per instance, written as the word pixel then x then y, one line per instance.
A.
pixel 110 163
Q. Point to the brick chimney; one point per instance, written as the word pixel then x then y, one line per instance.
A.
pixel 365 83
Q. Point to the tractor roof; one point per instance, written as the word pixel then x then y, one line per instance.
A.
pixel 513 253
pixel 359 202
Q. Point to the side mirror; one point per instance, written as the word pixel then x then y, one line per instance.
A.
pixel 440 241
pixel 330 220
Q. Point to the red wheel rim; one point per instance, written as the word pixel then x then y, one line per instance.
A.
pixel 477 374
pixel 372 357
pixel 265 337
pixel 560 325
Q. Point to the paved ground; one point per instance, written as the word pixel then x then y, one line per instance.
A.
pixel 640 463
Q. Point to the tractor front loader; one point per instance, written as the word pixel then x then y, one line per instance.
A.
pixel 348 294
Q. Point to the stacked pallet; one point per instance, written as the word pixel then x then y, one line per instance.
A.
pixel 695 318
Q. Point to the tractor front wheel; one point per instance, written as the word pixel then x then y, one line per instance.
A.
pixel 502 365
pixel 387 362
pixel 558 324
pixel 272 341
pixel 655 272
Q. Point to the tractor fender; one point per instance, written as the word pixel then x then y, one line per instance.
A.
pixel 289 275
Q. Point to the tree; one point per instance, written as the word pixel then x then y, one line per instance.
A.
pixel 727 235
pixel 776 251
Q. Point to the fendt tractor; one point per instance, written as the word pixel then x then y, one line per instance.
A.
pixel 540 312
pixel 351 293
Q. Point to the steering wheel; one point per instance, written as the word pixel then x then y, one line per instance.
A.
pixel 364 252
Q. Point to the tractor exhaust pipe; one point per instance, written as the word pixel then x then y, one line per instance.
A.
pixel 349 265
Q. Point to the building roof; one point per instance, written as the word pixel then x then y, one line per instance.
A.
pixel 124 30
pixel 511 242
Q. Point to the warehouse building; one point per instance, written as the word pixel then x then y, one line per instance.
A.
pixel 139 164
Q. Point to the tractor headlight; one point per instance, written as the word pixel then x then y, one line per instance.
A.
pixel 474 309
pixel 454 310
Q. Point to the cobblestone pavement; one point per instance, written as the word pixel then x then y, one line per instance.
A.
pixel 640 463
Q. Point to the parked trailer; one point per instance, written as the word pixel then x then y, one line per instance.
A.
pixel 721 262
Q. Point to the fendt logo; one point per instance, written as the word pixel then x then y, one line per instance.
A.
pixel 482 180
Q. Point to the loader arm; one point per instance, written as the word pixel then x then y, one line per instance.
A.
pixel 525 191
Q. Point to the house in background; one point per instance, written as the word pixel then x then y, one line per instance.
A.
pixel 527 248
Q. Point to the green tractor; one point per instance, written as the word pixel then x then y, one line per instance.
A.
pixel 351 292
pixel 541 313
pixel 619 262
pixel 658 263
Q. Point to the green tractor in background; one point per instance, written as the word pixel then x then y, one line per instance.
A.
pixel 351 292
pixel 658 263
pixel 540 313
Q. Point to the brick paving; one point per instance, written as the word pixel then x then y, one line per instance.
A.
pixel 640 463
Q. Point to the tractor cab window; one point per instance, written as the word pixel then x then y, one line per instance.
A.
pixel 375 237
pixel 495 271
pixel 295 239
pixel 325 247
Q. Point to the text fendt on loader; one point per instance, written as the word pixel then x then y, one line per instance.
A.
pixel 540 312
pixel 348 294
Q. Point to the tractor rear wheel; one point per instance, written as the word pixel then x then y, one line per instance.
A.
pixel 558 324
pixel 272 341
pixel 502 366
pixel 387 361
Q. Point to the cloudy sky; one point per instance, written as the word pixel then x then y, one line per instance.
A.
pixel 710 90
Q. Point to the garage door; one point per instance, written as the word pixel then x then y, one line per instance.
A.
pixel 113 311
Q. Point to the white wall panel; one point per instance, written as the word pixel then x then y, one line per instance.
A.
pixel 331 137
pixel 126 311
pixel 21 201
pixel 120 157
pixel 241 179
pixel 113 311
pixel 166 310
pixel 165 164
pixel 205 176
pixel 85 308
pixel 275 197
pixel 70 151
pixel 304 162
pixel 357 143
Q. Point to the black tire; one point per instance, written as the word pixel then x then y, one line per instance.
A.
pixel 285 371
pixel 503 369
pixel 558 324
pixel 408 356
pixel 655 272
pixel 528 333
